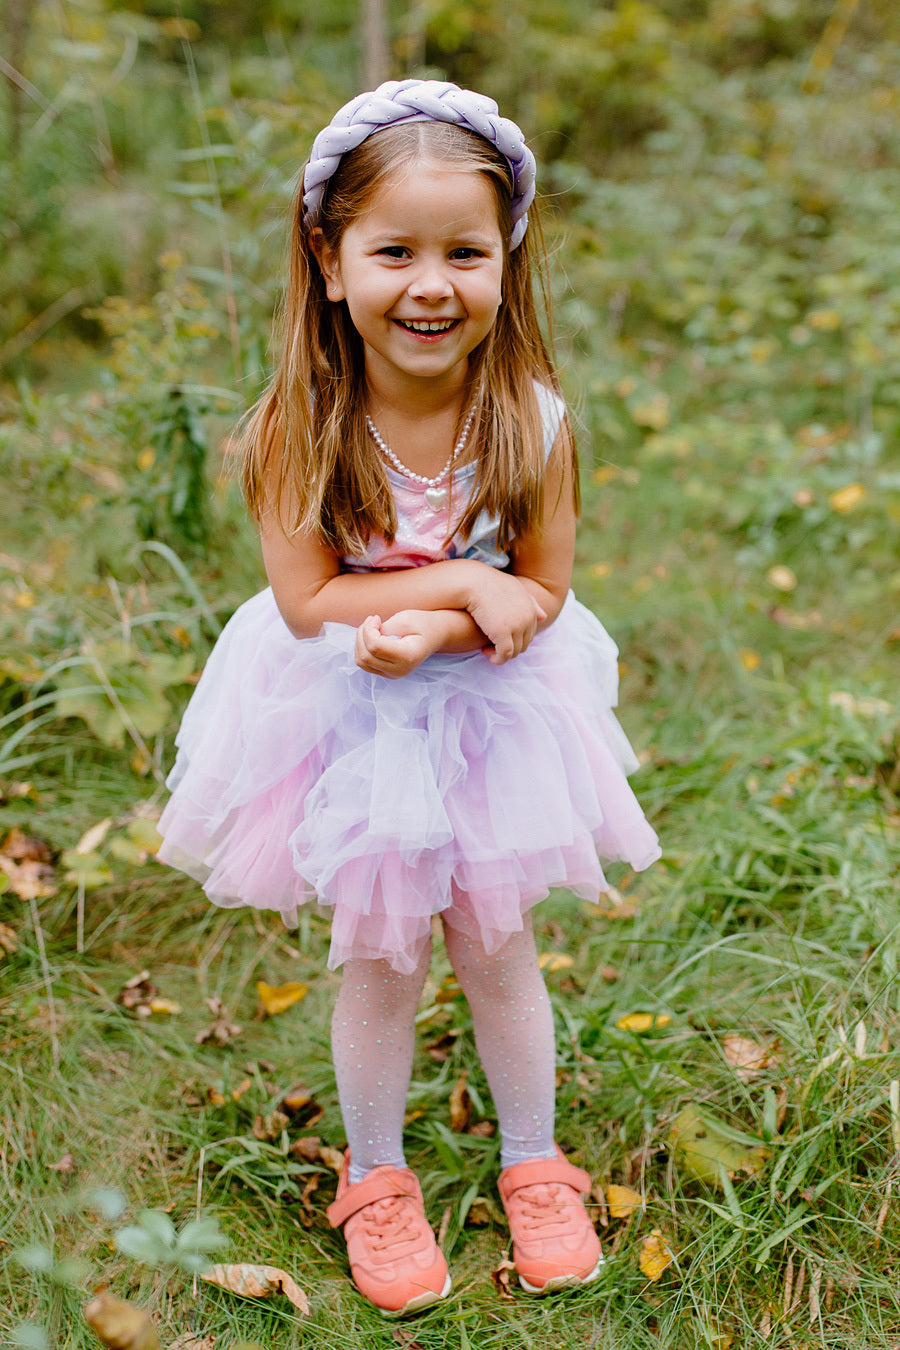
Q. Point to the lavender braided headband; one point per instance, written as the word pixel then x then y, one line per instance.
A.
pixel 399 101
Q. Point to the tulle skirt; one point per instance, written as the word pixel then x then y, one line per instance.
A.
pixel 464 789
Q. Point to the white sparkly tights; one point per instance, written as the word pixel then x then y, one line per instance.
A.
pixel 373 1037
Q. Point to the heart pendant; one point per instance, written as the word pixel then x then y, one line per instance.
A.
pixel 435 497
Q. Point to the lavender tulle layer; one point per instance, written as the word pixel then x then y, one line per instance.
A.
pixel 464 788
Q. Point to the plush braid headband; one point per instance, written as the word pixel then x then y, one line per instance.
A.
pixel 400 101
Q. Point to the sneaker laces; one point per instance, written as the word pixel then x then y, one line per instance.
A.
pixel 390 1222
pixel 543 1204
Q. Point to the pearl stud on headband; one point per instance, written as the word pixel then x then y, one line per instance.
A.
pixel 399 101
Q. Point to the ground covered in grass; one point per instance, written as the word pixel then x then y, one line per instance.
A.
pixel 729 1022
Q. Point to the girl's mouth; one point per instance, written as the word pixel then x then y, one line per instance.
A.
pixel 428 327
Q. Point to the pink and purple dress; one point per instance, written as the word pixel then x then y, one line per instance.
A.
pixel 464 789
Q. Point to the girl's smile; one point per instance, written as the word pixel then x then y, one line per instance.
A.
pixel 421 272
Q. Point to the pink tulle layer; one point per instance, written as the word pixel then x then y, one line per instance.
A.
pixel 465 789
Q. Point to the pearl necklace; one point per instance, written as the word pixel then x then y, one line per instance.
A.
pixel 435 495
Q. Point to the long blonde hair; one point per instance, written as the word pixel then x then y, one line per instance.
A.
pixel 306 452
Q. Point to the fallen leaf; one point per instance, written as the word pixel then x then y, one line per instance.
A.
pixel 9 943
pixel 749 658
pixel 460 1106
pixel 847 498
pixel 121 1325
pixel 93 838
pixel 782 578
pixel 190 1341
pixel 306 1148
pixel 862 707
pixel 164 1005
pixel 707 1149
pixel 610 974
pixel 480 1214
pixel 28 880
pixel 249 1281
pixel 403 1336
pixel 221 1030
pixel 483 1129
pixel 270 1126
pixel 23 847
pixel 440 1049
pixel 277 998
pixel 501 1277
pixel 656 1255
pixel 65 1164
pixel 449 990
pixel 652 412
pixel 641 1022
pixel 747 1058
pixel 551 961
pixel 622 1201
pixel 332 1157
pixel 616 906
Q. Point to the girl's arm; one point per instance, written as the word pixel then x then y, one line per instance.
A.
pixel 542 559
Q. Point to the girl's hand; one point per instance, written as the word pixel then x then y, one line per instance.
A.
pixel 506 612
pixel 400 644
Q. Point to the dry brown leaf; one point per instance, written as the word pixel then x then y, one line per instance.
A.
pixel 65 1164
pixel 610 974
pixel 440 1049
pixel 277 998
pixel 614 905
pixel 221 1030
pixel 332 1157
pixel 191 1341
pixel 306 1148
pixel 121 1325
pixel 479 1214
pixel 656 1255
pixel 270 1126
pixel 249 1281
pixel 483 1129
pixel 599 1200
pixel 9 943
pixel 137 994
pixel 622 1201
pixel 403 1336
pixel 449 990
pixel 501 1276
pixel 747 1058
pixel 29 880
pixel 301 1106
pixel 460 1106
pixel 21 847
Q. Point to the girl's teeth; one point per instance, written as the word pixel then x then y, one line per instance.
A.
pixel 425 326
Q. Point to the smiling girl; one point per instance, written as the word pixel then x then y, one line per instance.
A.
pixel 414 719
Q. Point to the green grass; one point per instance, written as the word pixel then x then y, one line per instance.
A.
pixel 724 413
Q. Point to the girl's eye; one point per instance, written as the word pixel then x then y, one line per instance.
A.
pixel 393 251
pixel 465 254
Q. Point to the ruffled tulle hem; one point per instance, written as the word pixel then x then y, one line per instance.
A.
pixel 464 789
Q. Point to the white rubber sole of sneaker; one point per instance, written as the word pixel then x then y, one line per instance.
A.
pixel 420 1302
pixel 561 1281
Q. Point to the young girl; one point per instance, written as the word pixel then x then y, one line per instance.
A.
pixel 414 720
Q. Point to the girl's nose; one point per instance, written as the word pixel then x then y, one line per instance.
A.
pixel 430 282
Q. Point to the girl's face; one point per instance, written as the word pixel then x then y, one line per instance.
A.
pixel 421 270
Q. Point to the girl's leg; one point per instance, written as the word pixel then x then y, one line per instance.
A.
pixel 514 1035
pixel 372 1038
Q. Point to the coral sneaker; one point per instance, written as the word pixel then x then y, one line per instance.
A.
pixel 554 1242
pixel 394 1258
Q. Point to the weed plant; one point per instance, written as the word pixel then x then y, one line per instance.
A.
pixel 727 1023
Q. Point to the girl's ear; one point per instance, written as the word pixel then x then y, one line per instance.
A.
pixel 329 264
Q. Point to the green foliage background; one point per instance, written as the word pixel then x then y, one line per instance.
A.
pixel 720 180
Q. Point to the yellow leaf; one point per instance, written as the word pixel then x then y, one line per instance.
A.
pixel 164 1005
pixel 782 577
pixel 749 658
pixel 249 1281
pixel 24 599
pixel 146 459
pixel 551 961
pixel 601 570
pixel 143 832
pixel 277 998
pixel 121 1325
pixel 846 498
pixel 825 320
pixel 656 1255
pixel 640 1022
pixel 622 1201
pixel 606 473
pixel 652 412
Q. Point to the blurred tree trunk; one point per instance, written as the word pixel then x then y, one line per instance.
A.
pixel 16 23
pixel 375 43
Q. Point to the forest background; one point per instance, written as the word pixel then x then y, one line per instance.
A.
pixel 721 180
